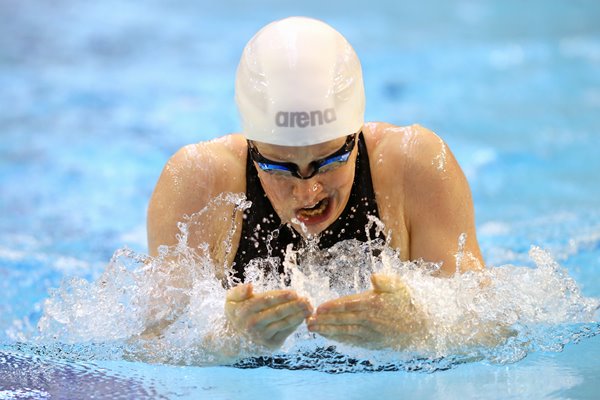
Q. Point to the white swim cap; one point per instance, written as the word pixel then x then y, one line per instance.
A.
pixel 299 82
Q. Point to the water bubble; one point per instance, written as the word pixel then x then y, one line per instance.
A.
pixel 440 160
pixel 460 254
pixel 169 308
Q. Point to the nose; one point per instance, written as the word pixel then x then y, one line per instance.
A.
pixel 306 192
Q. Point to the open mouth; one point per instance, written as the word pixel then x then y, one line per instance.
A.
pixel 317 210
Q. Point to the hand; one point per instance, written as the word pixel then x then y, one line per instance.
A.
pixel 266 318
pixel 384 317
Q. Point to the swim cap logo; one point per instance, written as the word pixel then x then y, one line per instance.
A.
pixel 303 119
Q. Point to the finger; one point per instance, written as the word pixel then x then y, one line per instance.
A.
pixel 358 341
pixel 280 312
pixel 361 332
pixel 341 318
pixel 280 337
pixel 353 303
pixel 291 322
pixel 383 283
pixel 266 300
pixel 309 310
pixel 374 323
pixel 239 293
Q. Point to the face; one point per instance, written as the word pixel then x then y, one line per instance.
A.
pixel 313 203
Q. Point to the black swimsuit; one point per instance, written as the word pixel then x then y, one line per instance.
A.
pixel 263 234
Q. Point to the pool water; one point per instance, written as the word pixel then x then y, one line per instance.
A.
pixel 96 97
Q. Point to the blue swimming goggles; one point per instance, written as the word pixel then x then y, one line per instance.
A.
pixel 288 169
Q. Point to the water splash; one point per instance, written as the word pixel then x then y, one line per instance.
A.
pixel 440 160
pixel 169 309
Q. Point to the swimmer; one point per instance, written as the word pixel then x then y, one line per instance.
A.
pixel 312 167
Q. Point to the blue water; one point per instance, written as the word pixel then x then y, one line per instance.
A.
pixel 94 98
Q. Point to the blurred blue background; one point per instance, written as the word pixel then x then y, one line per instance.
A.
pixel 95 97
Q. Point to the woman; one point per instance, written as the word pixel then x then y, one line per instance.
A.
pixel 312 167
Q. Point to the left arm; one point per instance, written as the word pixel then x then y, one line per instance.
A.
pixel 437 209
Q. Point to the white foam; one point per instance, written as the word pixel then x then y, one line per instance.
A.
pixel 499 314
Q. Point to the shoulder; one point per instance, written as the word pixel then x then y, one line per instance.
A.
pixel 401 145
pixel 416 159
pixel 212 160
pixel 192 178
pixel 208 164
pixel 400 155
pixel 199 172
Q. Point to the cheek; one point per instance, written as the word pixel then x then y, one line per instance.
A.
pixel 339 180
pixel 276 188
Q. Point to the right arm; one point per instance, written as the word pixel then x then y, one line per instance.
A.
pixel 191 180
pixel 189 183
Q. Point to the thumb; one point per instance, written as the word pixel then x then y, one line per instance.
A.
pixel 383 283
pixel 239 293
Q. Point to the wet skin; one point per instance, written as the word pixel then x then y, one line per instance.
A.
pixel 267 318
pixel 422 196
pixel 383 317
pixel 291 197
pixel 270 317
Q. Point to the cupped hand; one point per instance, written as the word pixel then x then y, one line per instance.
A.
pixel 384 317
pixel 266 318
